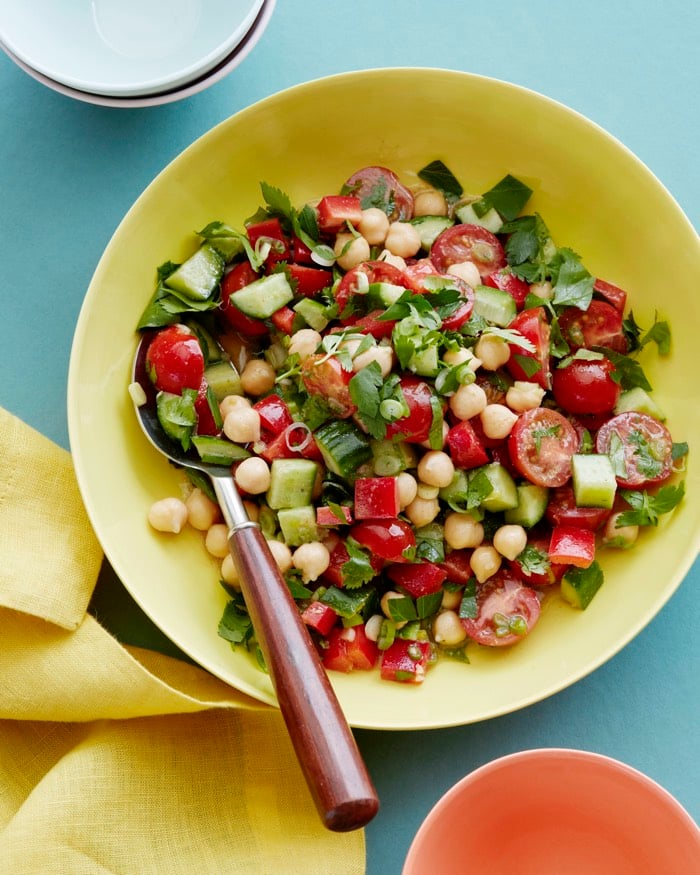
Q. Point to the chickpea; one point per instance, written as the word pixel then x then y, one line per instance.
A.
pixel 493 351
pixel 462 530
pixel 373 626
pixel 394 260
pixel 281 554
pixel 467 271
pixel 258 377
pixel 304 342
pixel 622 536
pixel 408 489
pixel 374 226
pixel 312 559
pixel 422 511
pixel 468 401
pixel 497 420
pixel 542 290
pixel 253 475
pixel 523 395
pixel 216 540
pixel 242 425
pixel 202 512
pixel 168 515
pixel 430 202
pixel 448 629
pixel 426 491
pixel 436 468
pixel 485 562
pixel 451 599
pixel 232 402
pixel 402 239
pixel 461 355
pixel 510 540
pixel 383 355
pixel 350 250
pixel 228 572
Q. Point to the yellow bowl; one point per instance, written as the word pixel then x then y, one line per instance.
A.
pixel 596 197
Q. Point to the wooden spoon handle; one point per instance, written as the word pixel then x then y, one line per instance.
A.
pixel 322 739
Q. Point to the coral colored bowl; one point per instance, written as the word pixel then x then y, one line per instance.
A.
pixel 556 812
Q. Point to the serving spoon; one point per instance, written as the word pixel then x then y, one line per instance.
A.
pixel 324 744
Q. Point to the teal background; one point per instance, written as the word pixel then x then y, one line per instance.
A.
pixel 69 171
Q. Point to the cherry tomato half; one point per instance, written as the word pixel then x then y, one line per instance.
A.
pixel 416 426
pixel 387 539
pixel 380 187
pixel 329 379
pixel 586 386
pixel 507 611
pixel 174 360
pixel 562 510
pixel 505 280
pixel 639 445
pixel 533 325
pixel 375 272
pixel 599 325
pixel 466 242
pixel 541 445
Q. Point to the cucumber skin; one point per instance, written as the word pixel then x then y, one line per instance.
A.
pixel 343 446
pixel 263 297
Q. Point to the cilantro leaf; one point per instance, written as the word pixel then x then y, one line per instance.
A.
pixel 628 373
pixel 441 177
pixel 528 248
pixel 647 508
pixel 469 608
pixel 430 543
pixel 235 624
pixel 364 389
pixel 532 560
pixel 508 197
pixel 573 284
pixel 660 334
pixel 678 450
pixel 346 604
pixel 427 605
pixel 358 570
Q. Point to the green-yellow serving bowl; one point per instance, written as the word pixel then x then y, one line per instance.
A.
pixel 595 196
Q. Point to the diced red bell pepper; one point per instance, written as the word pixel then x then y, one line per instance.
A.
pixel 334 210
pixel 464 446
pixel 572 545
pixel 272 229
pixel 309 280
pixel 418 578
pixel 320 617
pixel 274 415
pixel 283 320
pixel 372 324
pixel 301 254
pixel 339 556
pixel 457 566
pixel 376 498
pixel 350 649
pixel 326 516
pixel 406 661
pixel 611 293
pixel 206 424
pixel 279 448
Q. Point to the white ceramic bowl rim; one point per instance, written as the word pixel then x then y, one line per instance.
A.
pixel 125 47
pixel 222 69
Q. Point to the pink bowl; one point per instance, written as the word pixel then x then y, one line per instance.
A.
pixel 556 812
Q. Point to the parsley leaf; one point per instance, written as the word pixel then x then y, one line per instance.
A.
pixel 469 608
pixel 572 283
pixel 357 570
pixel 347 604
pixel 430 543
pixel 678 450
pixel 528 248
pixel 659 333
pixel 628 373
pixel 508 197
pixel 532 560
pixel 647 508
pixel 235 624
pixel 364 389
pixel 441 177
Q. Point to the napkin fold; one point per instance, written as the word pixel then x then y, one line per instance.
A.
pixel 118 760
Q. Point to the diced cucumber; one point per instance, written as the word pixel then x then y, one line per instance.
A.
pixel 227 247
pixel 298 524
pixel 313 313
pixel 291 483
pixel 261 298
pixel 343 446
pixel 579 585
pixel 426 362
pixel 504 494
pixel 382 295
pixel 223 379
pixel 491 220
pixel 211 349
pixel 640 401
pixel 391 457
pixel 218 451
pixel 532 503
pixel 199 275
pixel 177 415
pixel 593 480
pixel 494 305
pixel 430 227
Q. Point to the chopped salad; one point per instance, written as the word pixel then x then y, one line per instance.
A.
pixel 433 410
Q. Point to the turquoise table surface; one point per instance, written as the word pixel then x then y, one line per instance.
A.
pixel 69 171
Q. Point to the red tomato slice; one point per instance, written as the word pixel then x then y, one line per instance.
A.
pixel 639 445
pixel 415 427
pixel 241 275
pixel 468 243
pixel 507 611
pixel 329 379
pixel 387 539
pixel 417 578
pixel 274 415
pixel 372 324
pixel 562 510
pixel 456 319
pixel 505 280
pixel 541 445
pixel 174 360
pixel 586 387
pixel 465 447
pixel 533 325
pixel 375 272
pixel 612 294
pixel 380 187
pixel 599 325
pixel 283 320
pixel 416 272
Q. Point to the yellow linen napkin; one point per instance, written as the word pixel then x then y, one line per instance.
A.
pixel 121 760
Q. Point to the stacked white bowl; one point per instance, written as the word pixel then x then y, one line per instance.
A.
pixel 131 53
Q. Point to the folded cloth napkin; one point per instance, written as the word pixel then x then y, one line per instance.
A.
pixel 116 759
